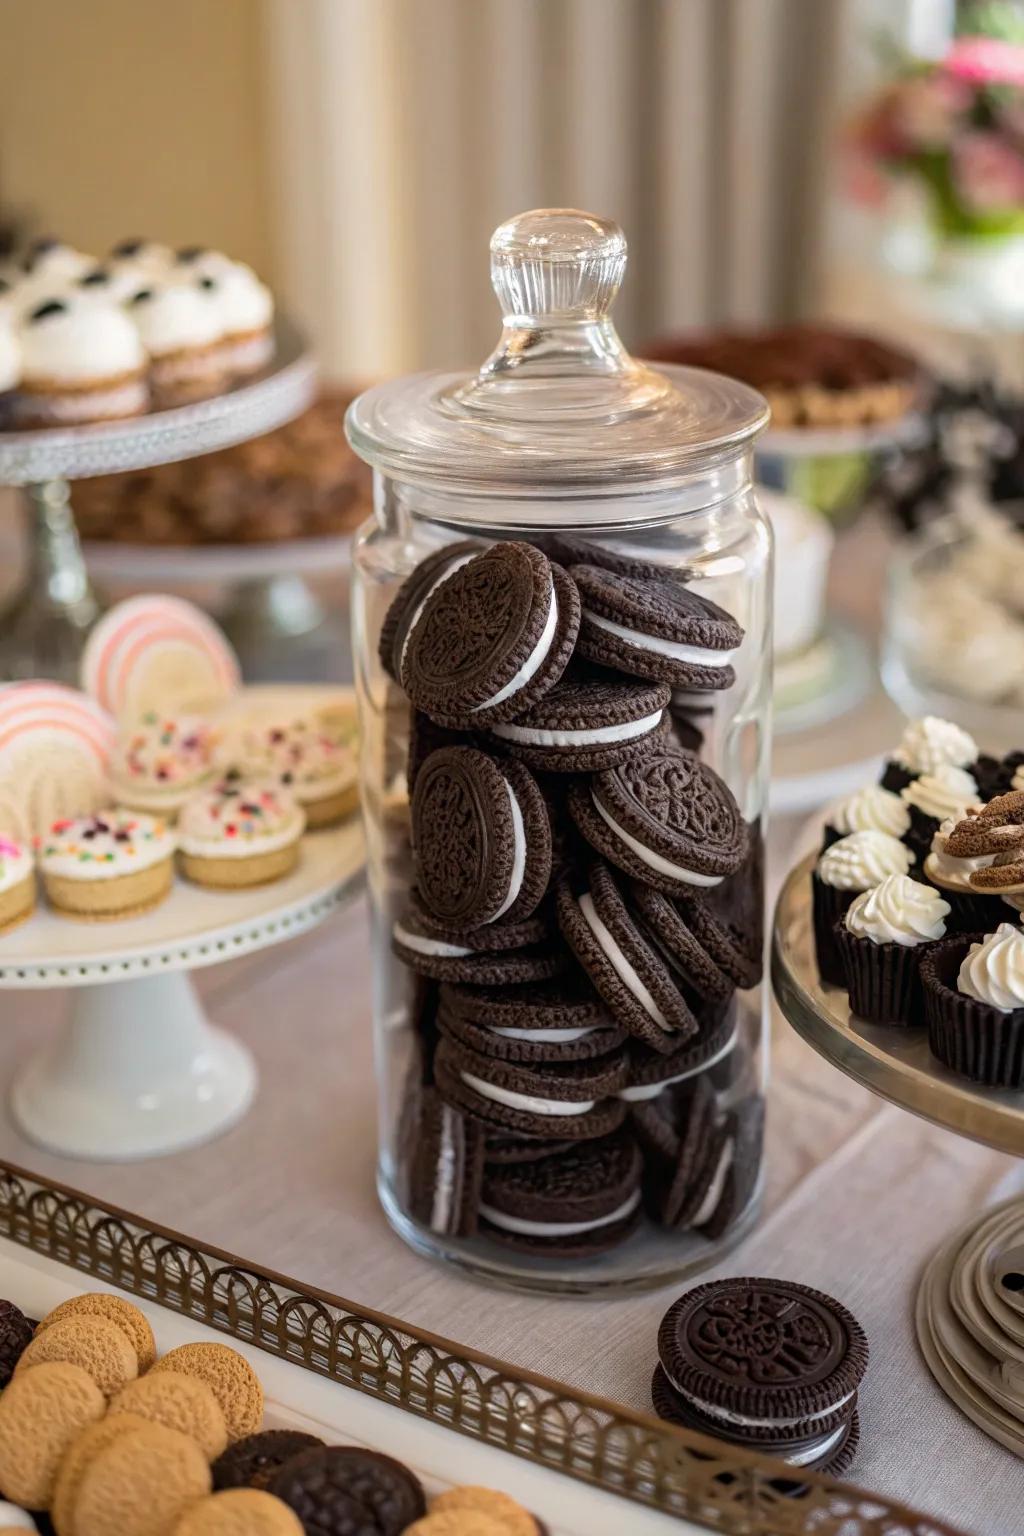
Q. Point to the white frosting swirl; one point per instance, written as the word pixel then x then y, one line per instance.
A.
pixel 944 868
pixel 872 809
pixel 947 791
pixel 932 743
pixel 176 317
pixel 899 911
pixel 863 860
pixel 245 303
pixel 993 971
pixel 78 342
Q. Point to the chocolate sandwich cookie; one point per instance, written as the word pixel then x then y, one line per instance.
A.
pixel 623 962
pixel 830 1451
pixel 492 639
pixel 446 959
pixel 674 1132
pixel 349 1490
pixel 732 1181
pixel 496 937
pixel 255 1461
pixel 426 737
pixel 481 838
pixel 570 549
pixel 657 629
pixel 446 1167
pixel 571 1204
pixel 413 593
pixel 725 938
pixel 678 943
pixel 567 1100
pixel 502 1148
pixel 649 1072
pixel 558 1022
pixel 664 817
pixel 589 721
pixel 765 1362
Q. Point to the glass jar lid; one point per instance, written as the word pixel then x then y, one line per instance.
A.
pixel 560 406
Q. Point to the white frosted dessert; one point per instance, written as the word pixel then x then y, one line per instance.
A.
pixel 899 911
pixel 946 869
pixel 932 743
pixel 872 809
pixel 111 864
pixel 160 761
pixel 308 760
pixel 181 328
pixel 944 792
pixel 240 832
pixel 80 361
pixel 863 860
pixel 992 971
pixel 17 882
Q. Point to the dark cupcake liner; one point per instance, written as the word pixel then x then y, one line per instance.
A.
pixel 830 836
pixel 918 836
pixel 882 979
pixel 972 1039
pixel 895 777
pixel 829 906
pixel 969 911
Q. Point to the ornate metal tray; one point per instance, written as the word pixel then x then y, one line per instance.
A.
pixel 588 1438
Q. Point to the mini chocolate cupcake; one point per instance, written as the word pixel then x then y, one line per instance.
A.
pixel 970 911
pixel 944 792
pixel 871 809
pixel 973 987
pixel 928 744
pixel 852 865
pixel 882 940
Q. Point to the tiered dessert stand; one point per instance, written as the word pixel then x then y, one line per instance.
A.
pixel 43 628
pixel 137 1069
pixel 970 1306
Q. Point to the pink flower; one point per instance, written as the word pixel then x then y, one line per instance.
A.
pixel 988 173
pixel 986 61
pixel 926 109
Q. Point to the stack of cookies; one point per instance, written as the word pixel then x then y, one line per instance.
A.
pixel 582 902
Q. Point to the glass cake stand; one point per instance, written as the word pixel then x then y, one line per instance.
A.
pixel 138 1070
pixel 43 628
pixel 833 469
pixel 895 1063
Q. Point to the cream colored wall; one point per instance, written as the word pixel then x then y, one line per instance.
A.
pixel 136 117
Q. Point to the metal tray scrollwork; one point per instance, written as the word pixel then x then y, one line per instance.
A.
pixel 588 1438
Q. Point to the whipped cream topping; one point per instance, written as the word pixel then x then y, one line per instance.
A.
pixel 898 911
pixel 944 791
pixel 931 743
pixel 104 846
pixel 992 972
pixel 16 862
pixel 872 809
pixel 239 818
pixel 175 317
pixel 244 302
pixel 69 340
pixel 862 860
pixel 945 869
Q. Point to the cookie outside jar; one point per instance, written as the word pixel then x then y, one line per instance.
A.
pixel 562 631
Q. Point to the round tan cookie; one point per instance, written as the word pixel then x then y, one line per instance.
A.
pixel 230 1378
pixel 98 1346
pixel 87 1444
pixel 240 1512
pixel 41 1412
pixel 457 1522
pixel 515 1520
pixel 116 1310
pixel 141 1484
pixel 184 1403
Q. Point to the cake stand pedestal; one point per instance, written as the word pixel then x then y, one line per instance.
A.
pixel 43 629
pixel 137 1069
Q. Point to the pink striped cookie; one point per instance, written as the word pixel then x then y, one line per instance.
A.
pixel 55 748
pixel 158 652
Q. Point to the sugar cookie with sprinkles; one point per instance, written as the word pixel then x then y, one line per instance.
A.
pixel 310 761
pixel 241 832
pixel 17 882
pixel 114 864
pixel 161 760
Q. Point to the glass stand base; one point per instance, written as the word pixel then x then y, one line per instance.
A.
pixel 647 1261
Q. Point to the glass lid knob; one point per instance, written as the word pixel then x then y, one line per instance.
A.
pixel 556 264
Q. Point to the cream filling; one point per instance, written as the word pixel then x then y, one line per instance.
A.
pixel 709 1204
pixel 544 1036
pixel 525 1100
pixel 422 945
pixel 441 1206
pixel 654 860
pixel 614 955
pixel 558 1228
pixel 532 662
pixel 813 1452
pixel 534 736
pixel 728 1416
pixel 518 857
pixel 695 655
pixel 449 570
pixel 643 1091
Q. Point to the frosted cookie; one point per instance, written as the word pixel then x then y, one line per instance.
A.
pixel 112 864
pixel 128 1317
pixel 41 1413
pixel 240 1512
pixel 97 1345
pixel 141 1484
pixel 17 883
pixel 311 763
pixel 230 1378
pixel 179 1402
pixel 246 307
pixel 160 761
pixel 240 832
pixel 158 653
pixel 55 747
pixel 182 329
pixel 80 361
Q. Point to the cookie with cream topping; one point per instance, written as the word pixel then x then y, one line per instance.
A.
pixel 246 307
pixel 881 941
pixel 160 760
pixel 182 330
pixel 307 758
pixel 853 864
pixel 970 910
pixel 17 883
pixel 80 361
pixel 240 832
pixel 113 864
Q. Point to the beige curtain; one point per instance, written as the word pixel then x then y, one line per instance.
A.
pixel 403 131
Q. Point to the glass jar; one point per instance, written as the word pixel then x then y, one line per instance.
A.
pixel 569 1035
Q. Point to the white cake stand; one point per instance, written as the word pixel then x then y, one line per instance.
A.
pixel 138 1070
